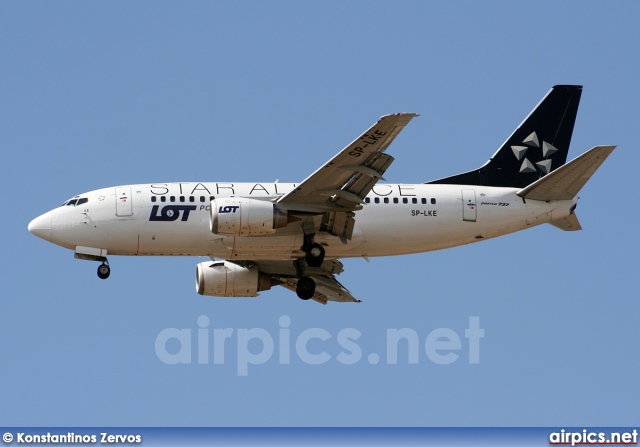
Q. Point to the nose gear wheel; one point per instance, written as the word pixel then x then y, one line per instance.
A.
pixel 104 270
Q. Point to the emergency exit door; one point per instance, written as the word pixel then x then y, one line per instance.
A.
pixel 469 208
pixel 124 205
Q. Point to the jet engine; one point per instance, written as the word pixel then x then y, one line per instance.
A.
pixel 237 216
pixel 227 279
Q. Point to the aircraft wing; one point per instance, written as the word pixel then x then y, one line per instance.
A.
pixel 327 286
pixel 342 183
pixel 335 191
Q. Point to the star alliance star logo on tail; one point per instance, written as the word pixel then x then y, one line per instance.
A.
pixel 532 142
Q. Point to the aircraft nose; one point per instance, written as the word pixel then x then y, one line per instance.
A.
pixel 41 227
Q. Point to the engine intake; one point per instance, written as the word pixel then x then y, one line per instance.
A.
pixel 245 217
pixel 227 279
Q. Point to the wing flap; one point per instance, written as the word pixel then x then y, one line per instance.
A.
pixel 365 178
pixel 339 224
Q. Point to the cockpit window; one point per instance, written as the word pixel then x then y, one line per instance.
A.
pixel 75 201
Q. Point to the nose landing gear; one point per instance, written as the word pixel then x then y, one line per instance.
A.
pixel 104 270
pixel 95 254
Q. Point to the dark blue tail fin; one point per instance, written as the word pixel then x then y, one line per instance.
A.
pixel 538 146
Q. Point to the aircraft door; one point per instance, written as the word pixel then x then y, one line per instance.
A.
pixel 469 208
pixel 124 205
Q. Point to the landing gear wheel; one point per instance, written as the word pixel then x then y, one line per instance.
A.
pixel 306 288
pixel 314 255
pixel 104 271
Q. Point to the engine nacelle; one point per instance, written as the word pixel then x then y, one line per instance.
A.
pixel 227 279
pixel 238 216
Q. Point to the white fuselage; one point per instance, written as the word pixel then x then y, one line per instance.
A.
pixel 173 219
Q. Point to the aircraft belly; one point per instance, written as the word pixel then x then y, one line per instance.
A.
pixel 254 248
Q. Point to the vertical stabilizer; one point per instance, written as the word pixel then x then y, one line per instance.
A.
pixel 537 147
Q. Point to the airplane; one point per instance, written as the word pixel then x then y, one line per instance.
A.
pixel 259 235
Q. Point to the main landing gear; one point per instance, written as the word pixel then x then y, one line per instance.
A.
pixel 104 270
pixel 314 257
pixel 306 288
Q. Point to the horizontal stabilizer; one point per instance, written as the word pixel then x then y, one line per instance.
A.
pixel 565 182
pixel 569 223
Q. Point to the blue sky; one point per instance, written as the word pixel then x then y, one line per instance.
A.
pixel 95 94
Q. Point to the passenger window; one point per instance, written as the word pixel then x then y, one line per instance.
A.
pixel 182 198
pixel 414 200
pixel 433 201
pixel 377 199
pixel 211 198
pixel 405 200
pixel 424 201
pixel 395 200
pixel 202 199
pixel 386 200
pixel 153 198
pixel 192 199
pixel 172 199
pixel 367 200
pixel 163 198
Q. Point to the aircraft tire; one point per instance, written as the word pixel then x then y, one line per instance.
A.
pixel 315 255
pixel 104 271
pixel 306 288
